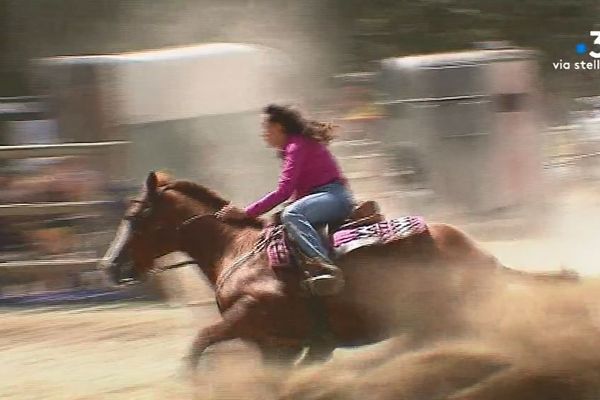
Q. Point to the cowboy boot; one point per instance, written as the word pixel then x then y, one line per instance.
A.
pixel 324 278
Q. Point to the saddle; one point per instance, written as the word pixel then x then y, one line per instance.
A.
pixel 366 226
pixel 365 213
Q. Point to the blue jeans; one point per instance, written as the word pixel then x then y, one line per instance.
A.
pixel 326 204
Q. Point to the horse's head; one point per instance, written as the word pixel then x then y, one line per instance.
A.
pixel 166 217
pixel 147 231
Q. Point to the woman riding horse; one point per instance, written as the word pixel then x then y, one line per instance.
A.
pixel 417 285
pixel 312 177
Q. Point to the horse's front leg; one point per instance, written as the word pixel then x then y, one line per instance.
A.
pixel 226 329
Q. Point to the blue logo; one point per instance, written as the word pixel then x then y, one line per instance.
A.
pixel 583 49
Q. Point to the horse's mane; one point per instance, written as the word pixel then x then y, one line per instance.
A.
pixel 204 195
pixel 199 193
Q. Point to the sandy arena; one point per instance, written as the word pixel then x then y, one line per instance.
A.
pixel 526 344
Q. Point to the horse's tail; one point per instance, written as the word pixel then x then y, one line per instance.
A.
pixel 562 275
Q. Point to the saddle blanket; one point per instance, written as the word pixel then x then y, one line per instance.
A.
pixel 347 240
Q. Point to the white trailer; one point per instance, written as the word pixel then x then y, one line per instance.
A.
pixel 473 117
pixel 190 110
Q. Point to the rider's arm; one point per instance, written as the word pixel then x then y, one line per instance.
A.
pixel 295 153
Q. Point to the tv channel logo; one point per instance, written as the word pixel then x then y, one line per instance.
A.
pixel 582 48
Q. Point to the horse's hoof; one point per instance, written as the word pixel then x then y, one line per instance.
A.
pixel 188 368
pixel 313 357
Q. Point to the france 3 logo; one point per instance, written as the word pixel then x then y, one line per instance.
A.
pixel 582 48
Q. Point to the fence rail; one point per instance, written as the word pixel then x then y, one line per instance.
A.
pixel 49 264
pixel 570 160
pixel 109 157
pixel 56 208
pixel 56 150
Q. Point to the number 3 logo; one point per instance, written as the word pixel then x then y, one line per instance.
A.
pixel 596 34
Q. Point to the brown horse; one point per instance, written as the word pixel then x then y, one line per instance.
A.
pixel 414 286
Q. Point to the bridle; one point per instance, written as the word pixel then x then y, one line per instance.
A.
pixel 162 268
pixel 191 219
pixel 227 272
pixel 148 210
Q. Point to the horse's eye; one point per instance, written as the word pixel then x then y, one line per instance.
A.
pixel 145 213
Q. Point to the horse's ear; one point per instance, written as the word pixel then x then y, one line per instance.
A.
pixel 151 184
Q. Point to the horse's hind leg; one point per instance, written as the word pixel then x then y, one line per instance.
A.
pixel 320 350
pixel 322 343
pixel 226 329
pixel 278 355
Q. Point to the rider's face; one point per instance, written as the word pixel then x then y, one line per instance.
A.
pixel 273 134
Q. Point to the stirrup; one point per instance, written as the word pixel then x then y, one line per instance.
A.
pixel 324 285
pixel 322 277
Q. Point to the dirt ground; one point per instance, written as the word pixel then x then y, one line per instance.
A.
pixel 133 351
pixel 568 235
pixel 102 353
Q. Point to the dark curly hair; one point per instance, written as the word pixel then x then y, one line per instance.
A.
pixel 294 123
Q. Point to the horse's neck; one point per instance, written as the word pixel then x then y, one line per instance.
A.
pixel 241 241
pixel 234 244
pixel 215 245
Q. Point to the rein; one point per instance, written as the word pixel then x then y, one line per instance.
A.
pixel 158 270
pixel 163 268
pixel 192 219
pixel 226 273
pixel 259 246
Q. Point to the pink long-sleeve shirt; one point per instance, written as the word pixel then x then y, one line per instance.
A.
pixel 307 164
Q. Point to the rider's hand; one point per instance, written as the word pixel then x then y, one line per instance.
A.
pixel 231 213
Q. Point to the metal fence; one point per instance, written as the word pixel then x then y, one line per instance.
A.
pixel 34 275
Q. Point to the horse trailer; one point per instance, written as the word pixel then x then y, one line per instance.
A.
pixel 193 111
pixel 472 120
